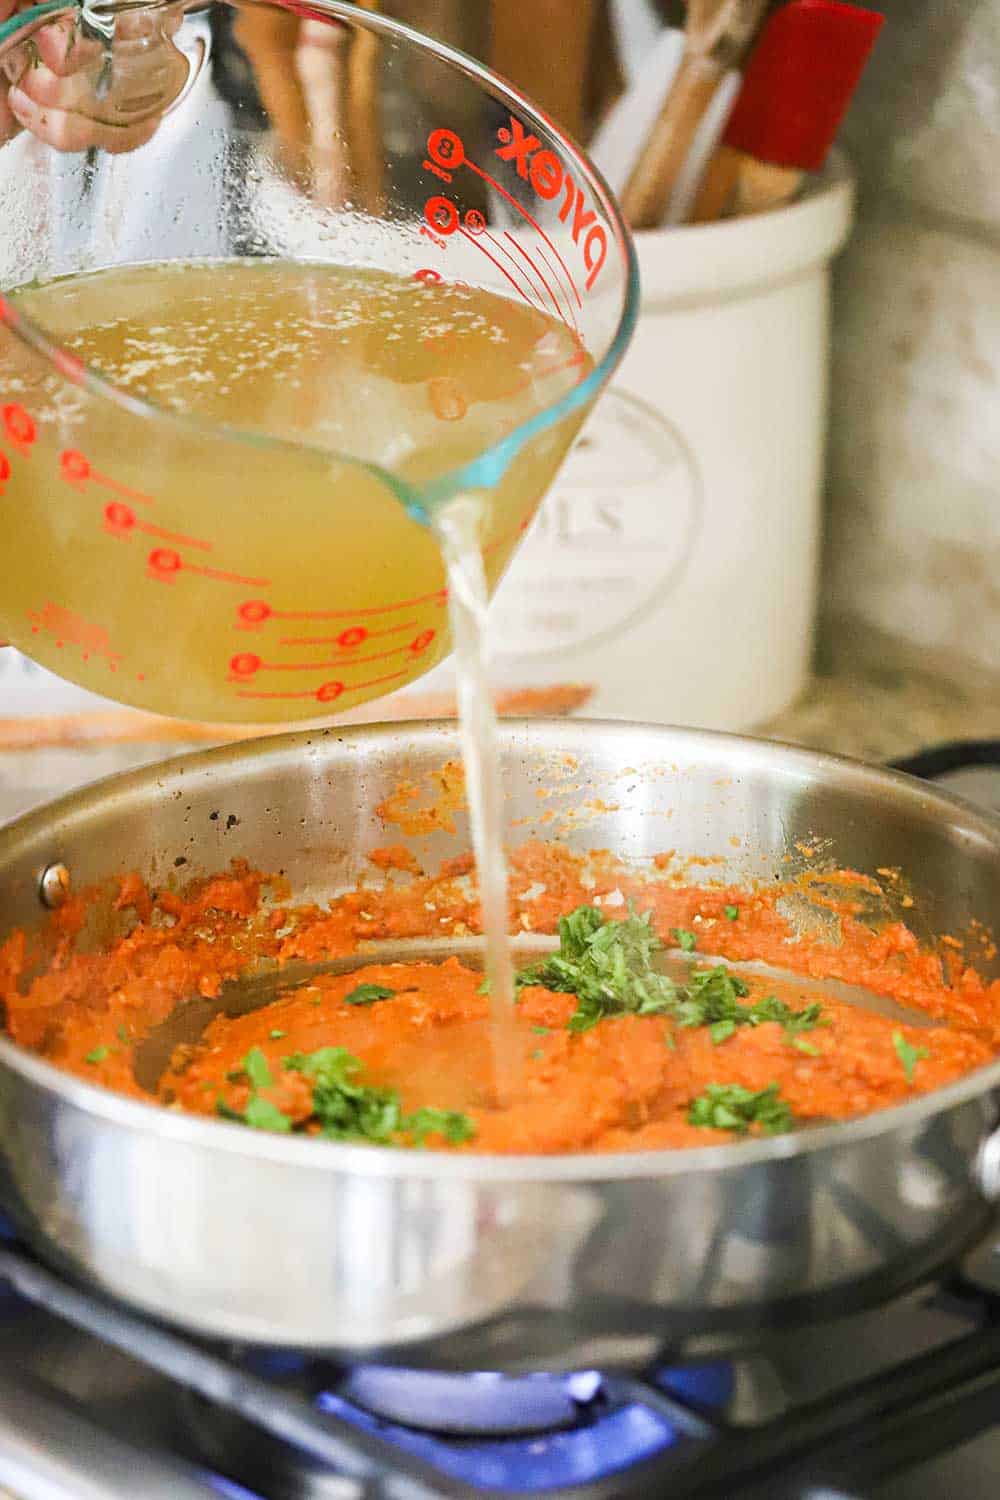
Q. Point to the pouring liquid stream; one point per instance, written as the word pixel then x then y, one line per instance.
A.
pixel 458 528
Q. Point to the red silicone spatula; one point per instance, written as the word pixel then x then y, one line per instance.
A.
pixel 797 86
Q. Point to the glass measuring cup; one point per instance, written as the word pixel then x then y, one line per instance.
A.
pixel 259 570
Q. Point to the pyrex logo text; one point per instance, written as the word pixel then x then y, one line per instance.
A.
pixel 549 178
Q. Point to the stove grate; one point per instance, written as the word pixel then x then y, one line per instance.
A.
pixel 605 1438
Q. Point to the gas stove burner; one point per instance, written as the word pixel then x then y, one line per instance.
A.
pixel 474 1405
pixel 482 1432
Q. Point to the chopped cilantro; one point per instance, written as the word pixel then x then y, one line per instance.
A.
pixel 792 1021
pixel 713 999
pixel 537 1054
pixel 261 1114
pixel 345 1109
pixel 254 1065
pixel 606 965
pixel 685 939
pixel 728 1106
pixel 908 1055
pixel 712 996
pixel 348 1110
pixel 540 1030
pixel 670 1040
pixel 367 994
pixel 732 913
pixel 455 1127
pixel 801 1045
pixel 122 1034
pixel 276 1034
pixel 97 1054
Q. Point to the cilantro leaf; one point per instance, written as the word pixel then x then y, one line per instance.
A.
pixel 732 913
pixel 261 1114
pixel 721 1031
pixel 344 1108
pixel 793 1021
pixel 455 1127
pixel 713 999
pixel 97 1054
pixel 908 1055
pixel 712 996
pixel 801 1045
pixel 367 994
pixel 607 965
pixel 685 939
pixel 348 1110
pixel 254 1065
pixel 276 1034
pixel 729 1106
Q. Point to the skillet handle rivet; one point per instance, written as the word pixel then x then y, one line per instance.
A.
pixel 54 886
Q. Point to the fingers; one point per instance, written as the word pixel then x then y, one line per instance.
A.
pixel 63 49
pixel 9 124
pixel 67 130
pixel 56 75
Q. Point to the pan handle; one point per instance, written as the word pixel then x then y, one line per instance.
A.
pixel 945 760
pixel 942 760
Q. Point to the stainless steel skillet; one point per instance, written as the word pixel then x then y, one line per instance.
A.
pixel 477 1261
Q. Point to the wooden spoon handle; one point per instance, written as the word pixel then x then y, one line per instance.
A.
pixel 648 191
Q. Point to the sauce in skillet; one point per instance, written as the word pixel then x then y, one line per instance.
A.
pixel 400 1053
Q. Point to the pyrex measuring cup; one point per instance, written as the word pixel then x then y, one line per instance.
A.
pixel 262 573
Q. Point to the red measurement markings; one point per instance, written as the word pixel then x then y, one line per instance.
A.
pixel 474 240
pixel 355 636
pixel 531 220
pixel 541 276
pixel 4 471
pixel 164 565
pixel 247 664
pixel 328 692
pixel 19 426
pixel 77 471
pixel 121 520
pixel 69 628
pixel 536 298
pixel 447 150
pixel 257 612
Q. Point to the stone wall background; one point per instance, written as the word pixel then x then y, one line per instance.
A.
pixel 914 474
